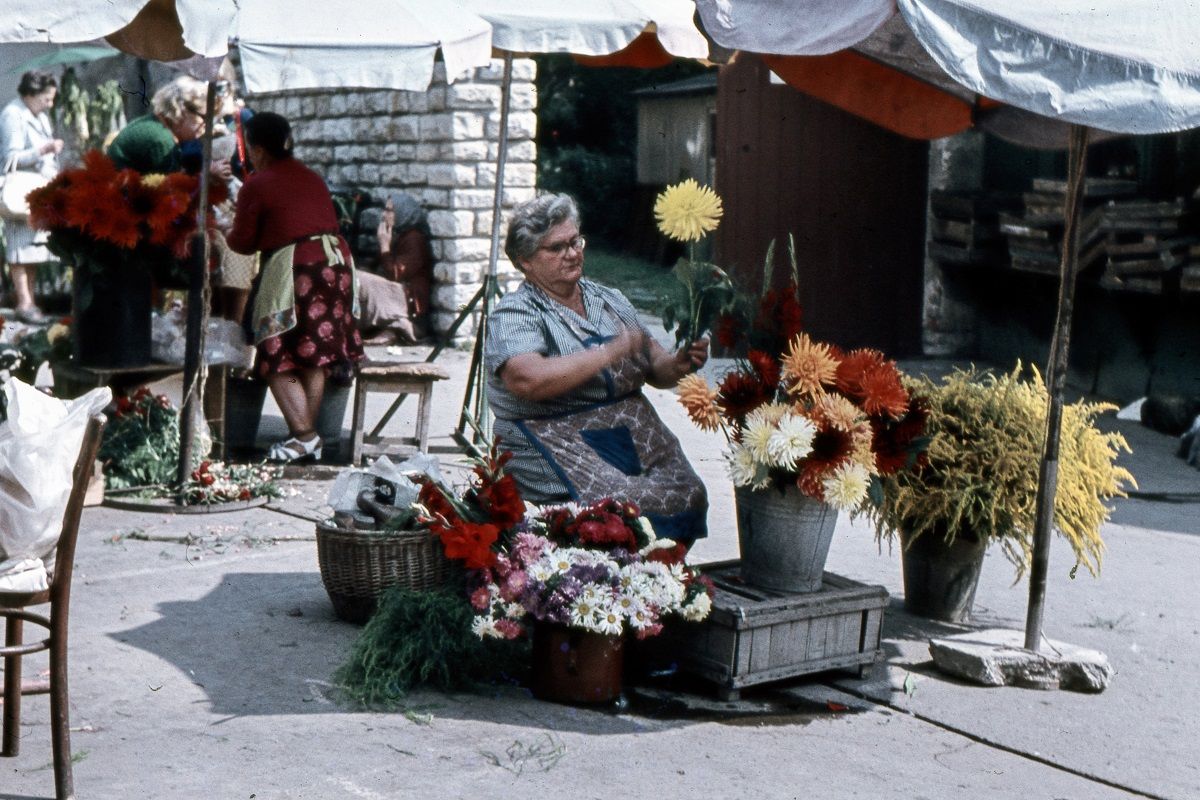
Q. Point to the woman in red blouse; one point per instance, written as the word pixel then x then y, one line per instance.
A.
pixel 302 310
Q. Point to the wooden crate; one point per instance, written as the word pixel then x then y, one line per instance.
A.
pixel 755 635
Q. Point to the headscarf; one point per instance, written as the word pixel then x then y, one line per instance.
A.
pixel 409 215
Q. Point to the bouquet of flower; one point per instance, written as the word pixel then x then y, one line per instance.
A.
pixel 827 421
pixel 686 212
pixel 470 525
pixel 99 216
pixel 599 568
pixel 141 441
pixel 218 482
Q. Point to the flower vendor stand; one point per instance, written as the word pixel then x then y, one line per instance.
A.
pixel 571 665
pixel 784 537
pixel 755 636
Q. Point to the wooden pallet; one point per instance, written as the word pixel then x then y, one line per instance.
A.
pixel 756 635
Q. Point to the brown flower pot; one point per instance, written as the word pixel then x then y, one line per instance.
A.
pixel 939 577
pixel 575 666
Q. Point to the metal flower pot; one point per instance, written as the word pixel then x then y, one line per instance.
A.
pixel 570 665
pixel 784 538
pixel 940 578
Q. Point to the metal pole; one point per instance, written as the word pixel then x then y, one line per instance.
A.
pixel 1056 377
pixel 197 309
pixel 475 410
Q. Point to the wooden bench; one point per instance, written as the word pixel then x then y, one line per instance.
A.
pixel 401 379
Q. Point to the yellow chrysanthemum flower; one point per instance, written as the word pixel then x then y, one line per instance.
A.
pixel 700 400
pixel 687 211
pixel 153 179
pixel 808 366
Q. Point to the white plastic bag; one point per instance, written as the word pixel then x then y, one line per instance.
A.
pixel 39 445
pixel 343 495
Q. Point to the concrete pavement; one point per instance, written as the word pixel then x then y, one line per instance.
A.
pixel 204 671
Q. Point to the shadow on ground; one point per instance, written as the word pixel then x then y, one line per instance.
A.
pixel 268 644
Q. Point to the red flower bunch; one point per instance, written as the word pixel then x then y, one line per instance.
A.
pixel 141 402
pixel 471 526
pixel 603 525
pixel 97 204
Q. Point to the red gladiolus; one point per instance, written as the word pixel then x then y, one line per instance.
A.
pixel 470 543
pixel 501 501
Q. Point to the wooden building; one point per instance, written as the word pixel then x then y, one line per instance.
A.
pixel 676 131
pixel 852 195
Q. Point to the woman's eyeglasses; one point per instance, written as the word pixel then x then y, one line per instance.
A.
pixel 560 249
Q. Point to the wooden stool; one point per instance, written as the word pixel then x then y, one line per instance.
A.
pixel 403 379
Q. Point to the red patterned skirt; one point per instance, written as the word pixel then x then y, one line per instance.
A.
pixel 325 334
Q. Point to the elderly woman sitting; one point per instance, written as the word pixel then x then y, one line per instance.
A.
pixel 566 360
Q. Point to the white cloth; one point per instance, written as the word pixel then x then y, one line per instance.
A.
pixel 805 28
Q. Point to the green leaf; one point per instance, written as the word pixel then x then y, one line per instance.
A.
pixel 910 684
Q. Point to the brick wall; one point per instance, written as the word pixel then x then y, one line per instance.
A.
pixel 441 146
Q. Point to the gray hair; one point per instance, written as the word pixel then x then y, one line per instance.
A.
pixel 532 220
pixel 178 97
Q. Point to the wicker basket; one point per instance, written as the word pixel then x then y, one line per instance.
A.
pixel 357 566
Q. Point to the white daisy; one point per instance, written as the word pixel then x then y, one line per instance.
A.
pixel 697 609
pixel 610 621
pixel 484 627
pixel 583 613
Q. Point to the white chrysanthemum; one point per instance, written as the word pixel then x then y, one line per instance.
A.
pixel 697 609
pixel 847 487
pixel 484 627
pixel 514 610
pixel 792 440
pixel 742 468
pixel 756 440
pixel 657 544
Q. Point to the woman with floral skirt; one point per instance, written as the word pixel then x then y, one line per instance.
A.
pixel 301 312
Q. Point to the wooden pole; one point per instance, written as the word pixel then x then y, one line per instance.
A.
pixel 197 310
pixel 1056 378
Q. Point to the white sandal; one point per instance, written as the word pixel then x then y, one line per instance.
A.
pixel 294 449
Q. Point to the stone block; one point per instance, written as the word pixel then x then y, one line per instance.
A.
pixel 428 151
pixel 464 151
pixel 997 657
pixel 485 174
pixel 436 127
pixel 397 129
pixel 522 97
pixel 454 297
pixel 520 174
pixel 524 69
pixel 459 272
pixel 393 174
pixel 521 125
pixel 483 224
pixel 432 197
pixel 523 150
pixel 451 224
pixel 472 96
pixel 377 102
pixel 442 320
pixel 308 106
pixel 474 249
pixel 451 174
pixel 470 198
pixel 435 99
pixel 405 151
pixel 340 104
pixel 368 174
pixel 515 195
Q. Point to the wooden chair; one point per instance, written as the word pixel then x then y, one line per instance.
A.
pixel 400 379
pixel 14 609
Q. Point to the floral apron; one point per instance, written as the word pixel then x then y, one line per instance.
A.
pixel 620 448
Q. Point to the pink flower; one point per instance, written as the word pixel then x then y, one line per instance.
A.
pixel 480 599
pixel 510 590
pixel 509 628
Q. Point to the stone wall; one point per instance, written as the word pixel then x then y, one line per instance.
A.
pixel 441 146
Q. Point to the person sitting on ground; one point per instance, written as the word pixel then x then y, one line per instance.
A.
pixel 302 303
pixel 395 304
pixel 566 360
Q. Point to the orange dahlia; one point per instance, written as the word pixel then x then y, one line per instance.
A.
pixel 883 393
pixel 808 366
pixel 700 401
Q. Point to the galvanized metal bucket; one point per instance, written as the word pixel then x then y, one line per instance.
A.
pixel 784 537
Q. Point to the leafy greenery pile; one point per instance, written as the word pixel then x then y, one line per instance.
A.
pixel 141 442
pixel 424 639
pixel 979 476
